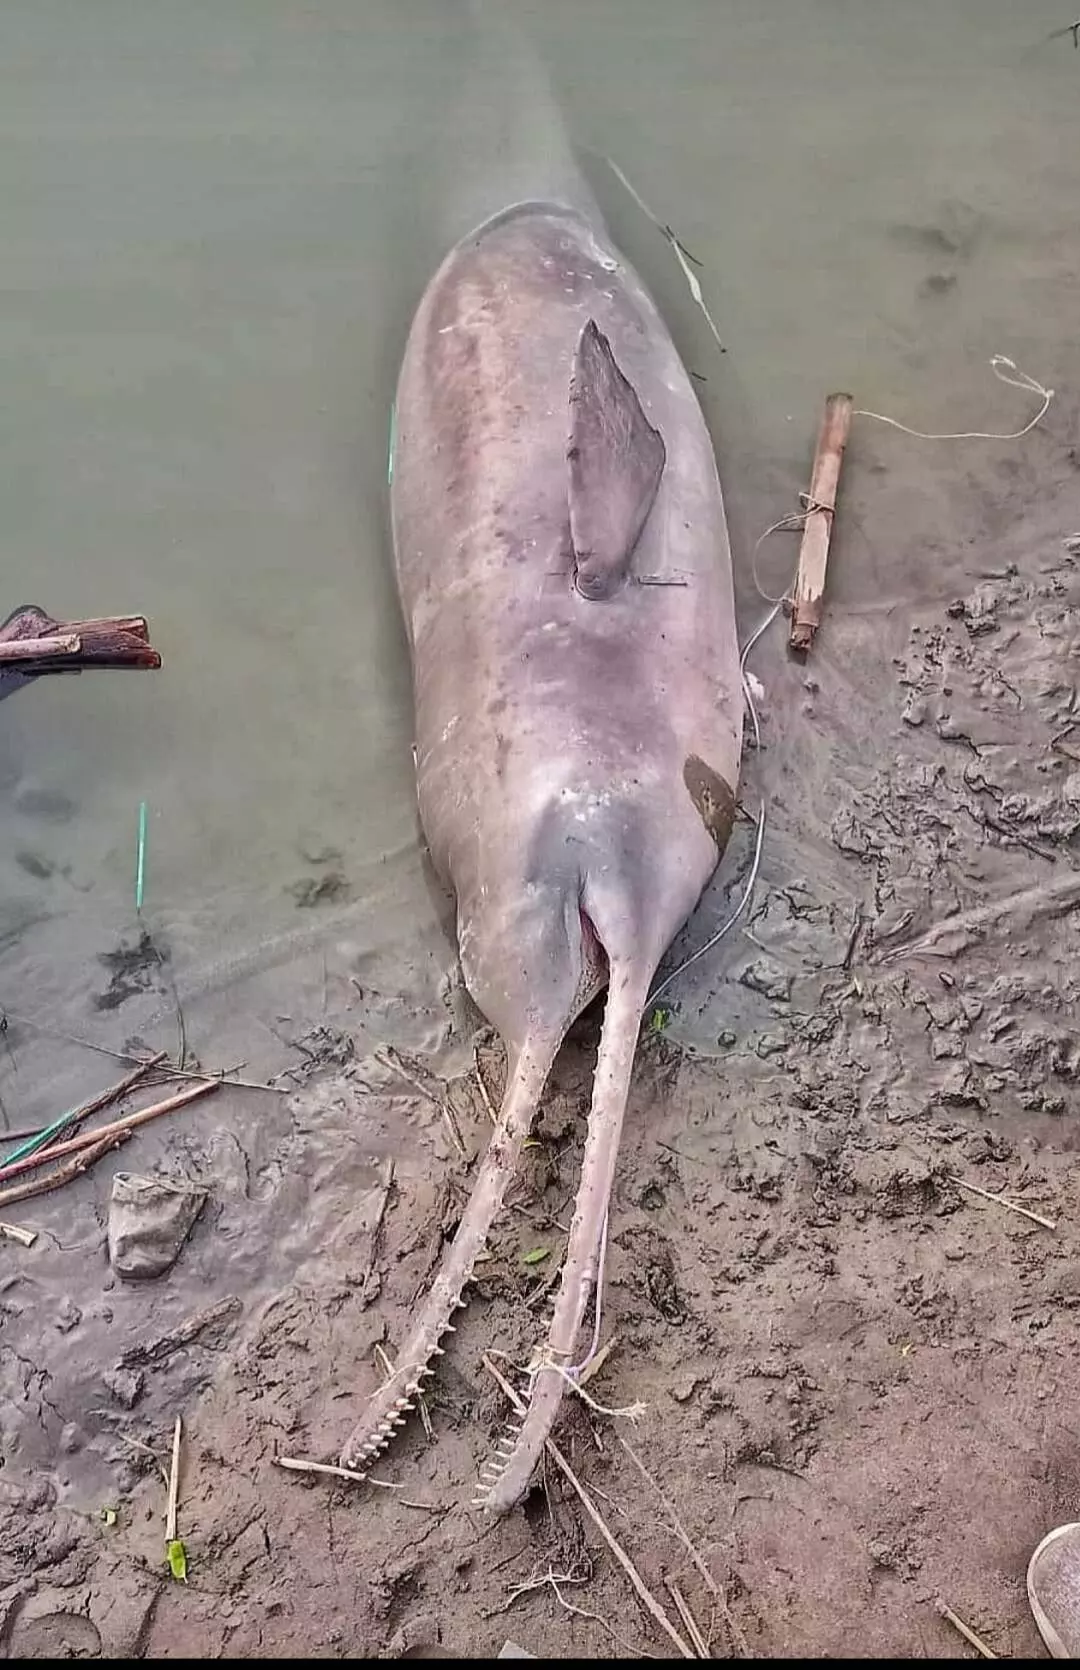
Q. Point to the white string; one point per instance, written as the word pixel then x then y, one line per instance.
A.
pixel 1020 381
pixel 632 1411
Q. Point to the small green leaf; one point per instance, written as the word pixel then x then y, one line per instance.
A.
pixel 108 1516
pixel 659 1019
pixel 536 1256
pixel 176 1555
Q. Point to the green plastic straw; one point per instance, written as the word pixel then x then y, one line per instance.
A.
pixel 32 1144
pixel 140 859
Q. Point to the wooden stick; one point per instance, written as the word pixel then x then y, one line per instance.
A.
pixel 31 636
pixel 689 1621
pixel 87 1154
pixel 297 1464
pixel 966 1631
pixel 174 1483
pixel 1000 1200
pixel 90 1139
pixel 40 649
pixel 13 1232
pixel 645 1595
pixel 85 1109
pixel 820 510
pixel 735 1630
pixel 136 625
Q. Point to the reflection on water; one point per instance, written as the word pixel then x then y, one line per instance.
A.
pixel 218 215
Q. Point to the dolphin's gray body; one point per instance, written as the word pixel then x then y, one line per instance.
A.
pixel 564 571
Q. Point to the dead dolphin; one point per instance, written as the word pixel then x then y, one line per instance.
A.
pixel 565 575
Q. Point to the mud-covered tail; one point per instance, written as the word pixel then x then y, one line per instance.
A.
pixel 390 1405
pixel 628 989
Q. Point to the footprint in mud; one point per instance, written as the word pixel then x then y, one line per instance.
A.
pixel 33 800
pixel 937 284
pixel 55 1635
pixel 953 232
pixel 653 1273
pixel 132 969
pixel 35 864
pixel 330 888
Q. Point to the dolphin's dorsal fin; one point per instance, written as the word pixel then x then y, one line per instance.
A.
pixel 616 461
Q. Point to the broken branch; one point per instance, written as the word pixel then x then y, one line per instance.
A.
pixel 40 1140
pixel 40 644
pixel 94 1143
pixel 82 1161
pixel 13 1232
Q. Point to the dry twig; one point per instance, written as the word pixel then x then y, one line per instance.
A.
pixel 87 1155
pixel 144 1449
pixel 387 1184
pixel 174 1483
pixel 1000 1200
pixel 298 1464
pixel 26 1237
pixel 742 1646
pixel 229 1076
pixel 687 1617
pixel 485 1094
pixel 157 1350
pixel 641 1589
pixel 390 1057
pixel 965 1630
pixel 75 1116
pixel 92 1144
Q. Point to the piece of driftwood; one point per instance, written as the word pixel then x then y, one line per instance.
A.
pixel 817 532
pixel 33 644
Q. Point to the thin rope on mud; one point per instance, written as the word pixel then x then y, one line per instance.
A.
pixel 1020 381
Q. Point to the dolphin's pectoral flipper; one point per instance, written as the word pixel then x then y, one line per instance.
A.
pixel 616 461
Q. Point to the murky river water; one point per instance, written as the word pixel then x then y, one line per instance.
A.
pixel 217 217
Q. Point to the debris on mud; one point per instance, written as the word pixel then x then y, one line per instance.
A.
pixel 150 1218
pixel 132 969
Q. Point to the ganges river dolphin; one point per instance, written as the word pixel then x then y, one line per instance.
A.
pixel 564 571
